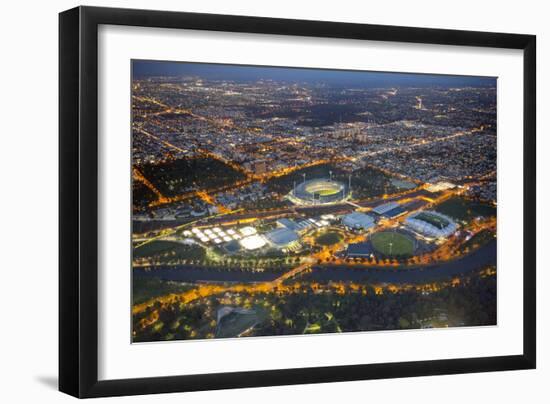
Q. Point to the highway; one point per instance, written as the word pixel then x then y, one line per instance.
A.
pixel 340 208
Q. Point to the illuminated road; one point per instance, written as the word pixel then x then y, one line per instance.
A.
pixel 295 271
pixel 448 259
pixel 250 177
pixel 273 174
pixel 420 143
pixel 485 255
pixel 341 208
pixel 450 263
pixel 138 176
pixel 419 274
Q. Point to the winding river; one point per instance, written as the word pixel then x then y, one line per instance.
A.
pixel 485 255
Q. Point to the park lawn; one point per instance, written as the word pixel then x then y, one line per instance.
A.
pixel 176 176
pixel 160 247
pixel 146 289
pixel 392 244
pixel 328 238
pixel 368 182
pixel 464 209
pixel 479 239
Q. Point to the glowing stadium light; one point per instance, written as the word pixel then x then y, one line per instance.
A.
pixel 205 239
pixel 231 232
pixel 227 238
pixel 253 242
pixel 319 191
pixel 208 231
pixel 217 229
pixel 195 230
pixel 248 231
pixel 222 234
pixel 431 224
pixel 217 240
pixel 187 233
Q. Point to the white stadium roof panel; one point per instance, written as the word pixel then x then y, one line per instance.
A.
pixel 248 231
pixel 385 207
pixel 358 220
pixel 253 242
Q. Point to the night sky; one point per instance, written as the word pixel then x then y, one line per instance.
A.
pixel 147 68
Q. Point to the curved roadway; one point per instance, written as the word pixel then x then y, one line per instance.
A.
pixel 485 255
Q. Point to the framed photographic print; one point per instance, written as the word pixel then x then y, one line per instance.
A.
pixel 250 201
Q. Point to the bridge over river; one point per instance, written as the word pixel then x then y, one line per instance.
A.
pixel 483 256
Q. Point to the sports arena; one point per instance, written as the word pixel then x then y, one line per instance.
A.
pixel 319 191
pixel 431 224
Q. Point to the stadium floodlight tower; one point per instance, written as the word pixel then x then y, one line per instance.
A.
pixel 349 184
pixel 330 175
pixel 304 175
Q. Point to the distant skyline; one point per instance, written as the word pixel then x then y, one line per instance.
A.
pixel 241 73
pixel 310 202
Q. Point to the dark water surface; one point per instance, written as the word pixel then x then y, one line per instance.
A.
pixel 481 257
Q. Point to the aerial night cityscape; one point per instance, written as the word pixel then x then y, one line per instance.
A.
pixel 273 201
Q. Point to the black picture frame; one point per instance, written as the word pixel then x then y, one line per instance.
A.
pixel 78 201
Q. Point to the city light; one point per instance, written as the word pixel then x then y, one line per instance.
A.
pixel 267 206
pixel 253 242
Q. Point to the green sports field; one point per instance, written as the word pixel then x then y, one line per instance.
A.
pixel 434 220
pixel 392 244
pixel 328 191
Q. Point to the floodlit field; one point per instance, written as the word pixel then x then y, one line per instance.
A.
pixel 271 201
pixel 325 192
pixel 392 244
